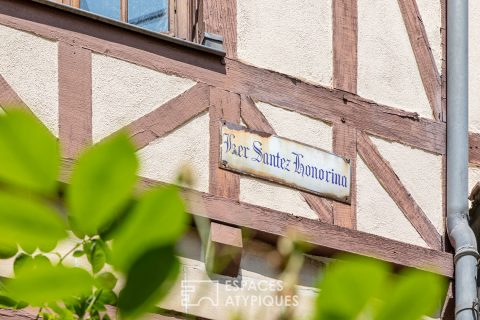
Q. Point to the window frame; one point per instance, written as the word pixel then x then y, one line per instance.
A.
pixel 182 17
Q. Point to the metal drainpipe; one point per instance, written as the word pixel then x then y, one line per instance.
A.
pixel 460 234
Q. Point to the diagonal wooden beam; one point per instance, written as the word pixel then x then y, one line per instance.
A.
pixel 423 55
pixel 9 98
pixel 74 99
pixel 255 120
pixel 397 191
pixel 345 37
pixel 169 116
pixel 345 144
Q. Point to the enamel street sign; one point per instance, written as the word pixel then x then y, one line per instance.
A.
pixel 284 161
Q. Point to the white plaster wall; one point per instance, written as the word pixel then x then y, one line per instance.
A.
pixel 473 177
pixel 187 146
pixel 292 37
pixel 387 70
pixel 474 65
pixel 274 196
pixel 296 127
pixel 30 65
pixel 421 173
pixel 377 213
pixel 431 13
pixel 123 92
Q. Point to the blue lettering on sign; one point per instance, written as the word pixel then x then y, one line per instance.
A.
pixel 282 162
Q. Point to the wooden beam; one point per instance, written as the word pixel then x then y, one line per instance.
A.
pixel 345 37
pixel 443 76
pixel 224 250
pixel 345 144
pixel 220 17
pixel 325 239
pixel 224 105
pixel 169 116
pixel 255 120
pixel 292 94
pixel 423 55
pixel 400 195
pixel 9 98
pixel 74 99
pixel 474 148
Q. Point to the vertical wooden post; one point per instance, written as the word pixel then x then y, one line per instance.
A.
pixel 345 34
pixel 124 10
pixel 345 144
pixel 220 17
pixel 74 98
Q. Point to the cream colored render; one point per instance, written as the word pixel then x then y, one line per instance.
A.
pixel 377 213
pixel 431 13
pixel 187 146
pixel 474 65
pixel 473 177
pixel 387 70
pixel 421 174
pixel 123 92
pixel 30 65
pixel 296 127
pixel 292 37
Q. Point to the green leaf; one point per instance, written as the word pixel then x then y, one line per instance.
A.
pixel 78 253
pixel 106 280
pixel 28 222
pixel 8 250
pixel 101 183
pixel 108 297
pixel 6 302
pixel 96 257
pixel 30 154
pixel 21 261
pixel 148 280
pixel 50 283
pixel 349 286
pixel 40 260
pixel 158 219
pixel 416 294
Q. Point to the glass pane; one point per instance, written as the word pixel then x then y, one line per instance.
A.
pixel 149 14
pixel 106 8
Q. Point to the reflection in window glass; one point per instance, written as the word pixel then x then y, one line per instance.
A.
pixel 106 8
pixel 149 14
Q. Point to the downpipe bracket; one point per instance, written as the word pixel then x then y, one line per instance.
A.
pixel 466 251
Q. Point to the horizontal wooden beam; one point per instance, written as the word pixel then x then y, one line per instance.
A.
pixel 397 191
pixel 169 116
pixel 255 120
pixel 292 94
pixel 325 239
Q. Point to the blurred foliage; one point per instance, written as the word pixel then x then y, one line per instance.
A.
pixel 361 288
pixel 118 230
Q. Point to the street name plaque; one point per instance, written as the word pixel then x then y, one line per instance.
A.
pixel 284 161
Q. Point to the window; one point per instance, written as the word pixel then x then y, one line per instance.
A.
pixel 175 17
